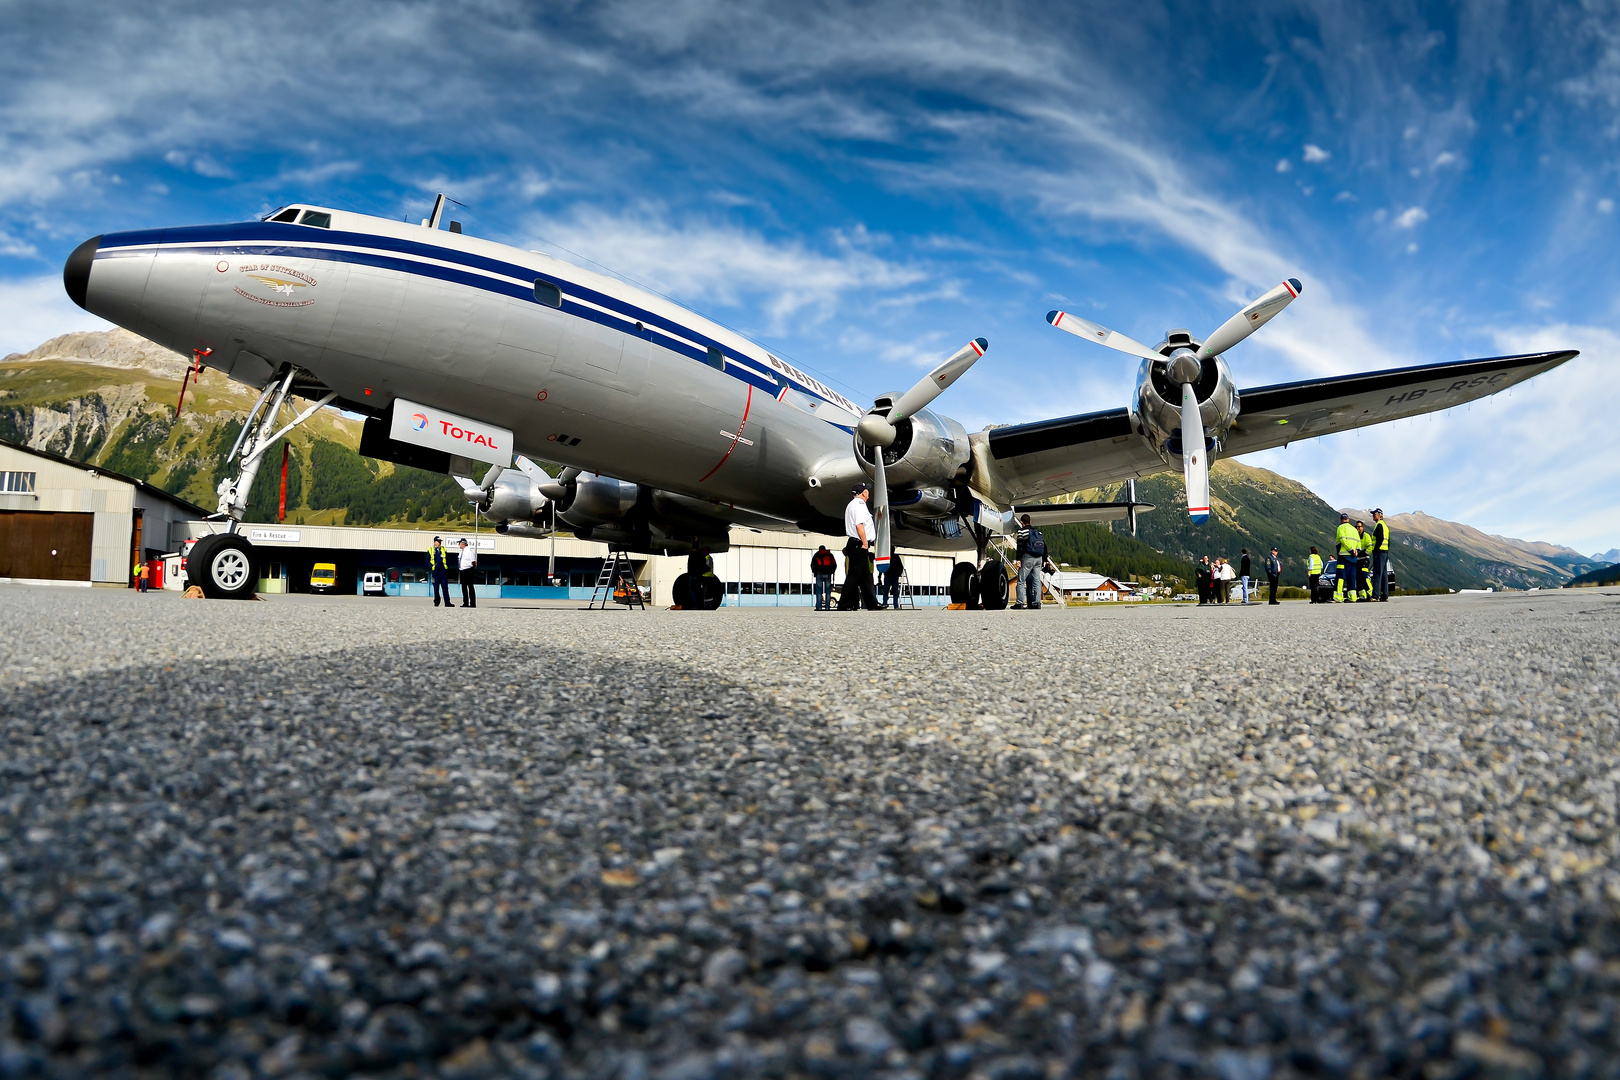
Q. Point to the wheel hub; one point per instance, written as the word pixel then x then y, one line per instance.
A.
pixel 230 569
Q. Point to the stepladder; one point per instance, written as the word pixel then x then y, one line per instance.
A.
pixel 616 583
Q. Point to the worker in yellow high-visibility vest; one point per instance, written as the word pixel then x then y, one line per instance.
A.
pixel 1364 562
pixel 1313 573
pixel 1348 542
pixel 1380 557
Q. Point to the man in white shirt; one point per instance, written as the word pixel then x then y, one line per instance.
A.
pixel 469 560
pixel 861 533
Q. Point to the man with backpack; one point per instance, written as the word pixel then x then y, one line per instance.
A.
pixel 823 565
pixel 1031 555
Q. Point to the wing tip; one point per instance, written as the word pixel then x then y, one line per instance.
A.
pixel 1053 316
pixel 982 344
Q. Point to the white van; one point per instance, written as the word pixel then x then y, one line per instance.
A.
pixel 372 584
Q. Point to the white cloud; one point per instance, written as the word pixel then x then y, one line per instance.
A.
pixel 1412 248
pixel 1411 217
pixel 1444 158
pixel 1284 165
pixel 36 309
pixel 1605 206
pixel 715 263
pixel 1315 155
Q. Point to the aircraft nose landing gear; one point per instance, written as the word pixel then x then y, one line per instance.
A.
pixel 223 566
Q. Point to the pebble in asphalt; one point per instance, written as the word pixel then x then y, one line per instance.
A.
pixel 327 836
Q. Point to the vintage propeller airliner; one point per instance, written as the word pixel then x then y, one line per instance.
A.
pixel 670 428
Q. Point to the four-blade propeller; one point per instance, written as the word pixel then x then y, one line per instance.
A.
pixel 1185 366
pixel 878 431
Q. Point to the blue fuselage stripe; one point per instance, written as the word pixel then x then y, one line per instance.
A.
pixel 292 241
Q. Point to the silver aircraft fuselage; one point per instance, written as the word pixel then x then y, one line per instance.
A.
pixel 583 369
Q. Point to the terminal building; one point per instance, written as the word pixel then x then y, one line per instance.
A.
pixel 63 522
pixel 762 569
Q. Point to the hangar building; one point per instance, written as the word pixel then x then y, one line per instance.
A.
pixel 66 523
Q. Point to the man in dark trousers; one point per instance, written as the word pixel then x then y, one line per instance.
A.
pixel 1245 572
pixel 823 566
pixel 1202 577
pixel 891 582
pixel 1380 557
pixel 467 564
pixel 1273 573
pixel 439 572
pixel 860 533
pixel 1031 555
pixel 1313 573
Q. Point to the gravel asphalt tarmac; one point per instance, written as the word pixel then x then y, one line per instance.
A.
pixel 334 836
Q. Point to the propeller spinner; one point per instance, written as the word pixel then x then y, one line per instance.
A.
pixel 1185 366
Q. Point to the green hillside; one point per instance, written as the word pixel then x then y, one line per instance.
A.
pixel 1603 575
pixel 1115 554
pixel 108 400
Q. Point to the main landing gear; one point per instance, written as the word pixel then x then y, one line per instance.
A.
pixel 223 563
pixel 980 585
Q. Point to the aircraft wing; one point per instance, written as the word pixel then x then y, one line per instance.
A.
pixel 1276 415
pixel 1050 457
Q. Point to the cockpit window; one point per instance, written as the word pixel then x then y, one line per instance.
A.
pixel 287 215
pixel 317 218
pixel 547 293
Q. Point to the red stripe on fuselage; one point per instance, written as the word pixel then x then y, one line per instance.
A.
pixel 748 404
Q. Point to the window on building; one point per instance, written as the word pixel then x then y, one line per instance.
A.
pixel 17 483
pixel 317 218
pixel 289 214
pixel 547 293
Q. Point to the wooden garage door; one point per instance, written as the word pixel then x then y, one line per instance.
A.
pixel 41 544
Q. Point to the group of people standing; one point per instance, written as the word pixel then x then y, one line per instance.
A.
pixel 1216 578
pixel 439 563
pixel 860 550
pixel 1362 574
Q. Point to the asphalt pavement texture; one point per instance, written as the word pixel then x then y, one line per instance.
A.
pixel 338 836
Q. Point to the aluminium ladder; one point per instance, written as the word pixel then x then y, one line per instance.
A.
pixel 615 568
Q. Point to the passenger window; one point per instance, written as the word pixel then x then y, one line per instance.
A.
pixel 547 293
pixel 317 219
pixel 717 359
pixel 287 215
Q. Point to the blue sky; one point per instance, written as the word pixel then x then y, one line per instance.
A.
pixel 865 187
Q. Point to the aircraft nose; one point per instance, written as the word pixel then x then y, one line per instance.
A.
pixel 76 273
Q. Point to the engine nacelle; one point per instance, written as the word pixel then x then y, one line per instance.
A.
pixel 514 497
pixel 929 450
pixel 1156 407
pixel 589 500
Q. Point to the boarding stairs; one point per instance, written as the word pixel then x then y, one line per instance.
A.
pixel 616 569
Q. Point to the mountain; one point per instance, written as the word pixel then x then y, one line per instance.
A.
pixel 1254 508
pixel 1515 563
pixel 1607 558
pixel 107 399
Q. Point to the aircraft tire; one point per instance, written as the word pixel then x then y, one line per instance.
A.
pixel 714 593
pixel 965 585
pixel 993 586
pixel 223 565
pixel 679 593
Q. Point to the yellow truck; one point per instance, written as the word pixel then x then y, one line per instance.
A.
pixel 323 577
